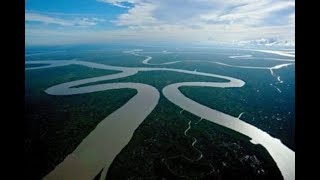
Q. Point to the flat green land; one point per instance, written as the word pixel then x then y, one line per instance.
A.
pixel 55 125
pixel 157 148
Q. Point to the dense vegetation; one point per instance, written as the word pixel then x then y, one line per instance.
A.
pixel 159 150
pixel 55 125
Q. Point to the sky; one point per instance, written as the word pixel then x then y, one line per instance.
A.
pixel 198 22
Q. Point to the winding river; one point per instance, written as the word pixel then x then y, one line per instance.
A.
pixel 97 151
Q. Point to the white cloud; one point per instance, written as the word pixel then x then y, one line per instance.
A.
pixel 118 3
pixel 140 14
pixel 197 12
pixel 292 18
pixel 265 42
pixel 164 33
pixel 190 21
pixel 46 19
pixel 98 19
pixel 249 14
pixel 85 22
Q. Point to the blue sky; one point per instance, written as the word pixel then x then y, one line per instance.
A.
pixel 53 22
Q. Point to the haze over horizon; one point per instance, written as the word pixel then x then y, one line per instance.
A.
pixel 197 22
